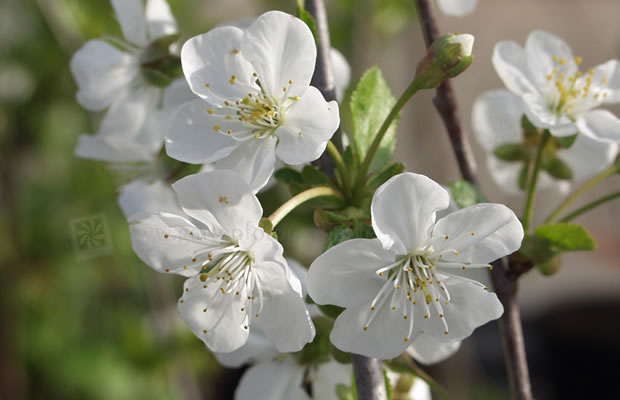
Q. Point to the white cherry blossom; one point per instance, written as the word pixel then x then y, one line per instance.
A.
pixel 412 278
pixel 457 8
pixel 237 275
pixel 557 96
pixel 256 103
pixel 496 120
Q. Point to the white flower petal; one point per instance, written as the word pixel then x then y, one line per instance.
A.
pixel 470 307
pixel 427 350
pixel 220 199
pixel 481 234
pixel 607 72
pixel 457 8
pixel 177 93
pixel 257 349
pixel 111 149
pixel 254 160
pixel 587 156
pixel 102 73
pixel 130 15
pixel 276 380
pixel 127 117
pixel 384 337
pixel 284 318
pixel 342 73
pixel 210 60
pixel 403 211
pixel 159 19
pixel 496 119
pixel 600 125
pixel 540 48
pixel 163 242
pixel 144 197
pixel 350 267
pixel 328 376
pixel 541 116
pixel 505 174
pixel 282 49
pixel 218 319
pixel 192 138
pixel 308 126
pixel 510 62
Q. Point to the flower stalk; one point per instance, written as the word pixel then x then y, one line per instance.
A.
pixel 299 199
pixel 590 206
pixel 533 181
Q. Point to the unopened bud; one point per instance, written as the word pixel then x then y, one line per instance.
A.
pixel 447 57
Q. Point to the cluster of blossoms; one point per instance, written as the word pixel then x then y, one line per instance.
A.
pixel 243 107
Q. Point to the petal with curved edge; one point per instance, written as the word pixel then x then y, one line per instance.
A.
pixel 342 73
pixel 599 125
pixel 384 337
pixel 273 381
pixel 253 159
pixel 345 274
pixel 257 349
pixel 470 307
pixel 219 198
pixel 328 376
pixel 510 62
pixel 127 118
pixel 282 49
pixel 457 8
pixel 506 176
pixel 130 15
pixel 111 149
pixel 427 350
pixel 307 127
pixel 606 80
pixel 587 156
pixel 177 93
pixel 102 73
pixel 403 211
pixel 481 233
pixel 148 197
pixel 541 47
pixel 159 19
pixel 539 114
pixel 496 119
pixel 284 318
pixel 219 320
pixel 192 137
pixel 209 62
pixel 163 241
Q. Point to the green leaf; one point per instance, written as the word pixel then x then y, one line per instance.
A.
pixel 566 142
pixel 314 177
pixel 288 175
pixel 266 224
pixel 465 194
pixel 566 237
pixel 371 103
pixel 511 152
pixel 340 234
pixel 537 249
pixel 305 16
pixel 558 168
pixel 344 392
pixel 386 173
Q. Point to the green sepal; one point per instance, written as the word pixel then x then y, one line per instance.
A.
pixel 371 102
pixel 465 194
pixel 351 160
pixel 314 177
pixel 550 266
pixel 339 234
pixel 526 125
pixel 266 224
pixel 512 152
pixel 384 175
pixel 288 175
pixel 158 49
pixel 566 142
pixel 330 310
pixel 156 78
pixel 318 351
pixel 557 168
pixel 537 249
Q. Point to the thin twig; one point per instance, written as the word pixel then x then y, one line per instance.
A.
pixel 504 280
pixel 368 371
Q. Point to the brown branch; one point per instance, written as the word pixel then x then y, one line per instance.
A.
pixel 368 371
pixel 504 276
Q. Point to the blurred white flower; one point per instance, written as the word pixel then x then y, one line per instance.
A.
pixel 256 100
pixel 457 8
pixel 411 280
pixel 557 96
pixel 496 120
pixel 238 277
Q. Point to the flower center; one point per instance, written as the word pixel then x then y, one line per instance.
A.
pixel 571 94
pixel 257 115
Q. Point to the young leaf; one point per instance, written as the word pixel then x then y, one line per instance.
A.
pixel 314 177
pixel 371 103
pixel 558 169
pixel 386 173
pixel 565 141
pixel 340 234
pixel 465 194
pixel 566 237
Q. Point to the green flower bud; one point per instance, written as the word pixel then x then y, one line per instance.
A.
pixel 447 57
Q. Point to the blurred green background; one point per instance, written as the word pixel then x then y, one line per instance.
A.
pixel 76 323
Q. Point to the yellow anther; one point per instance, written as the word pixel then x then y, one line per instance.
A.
pixel 372 308
pixel 578 60
pixel 405 317
pixel 210 111
pixel 284 89
pixel 473 233
pixel 440 315
pixel 185 267
pixel 446 332
pixel 208 84
pixel 446 237
pixel 380 273
pixel 245 327
pixel 605 81
pixel 235 51
pixel 167 269
pixel 490 267
pixel 426 316
pixel 562 61
pixel 393 308
pixel 365 328
pixel 216 127
pixel 203 277
pixel 257 315
pixel 204 286
pixel 194 259
pixel 204 331
pixel 406 339
pixel 290 81
pixel 229 131
pixel 555 58
pixel 166 236
pixel 296 98
pixel 549 77
pixel 232 79
pixel 182 301
pixel 229 117
pixel 204 310
pixel 223 200
pixel 464 267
